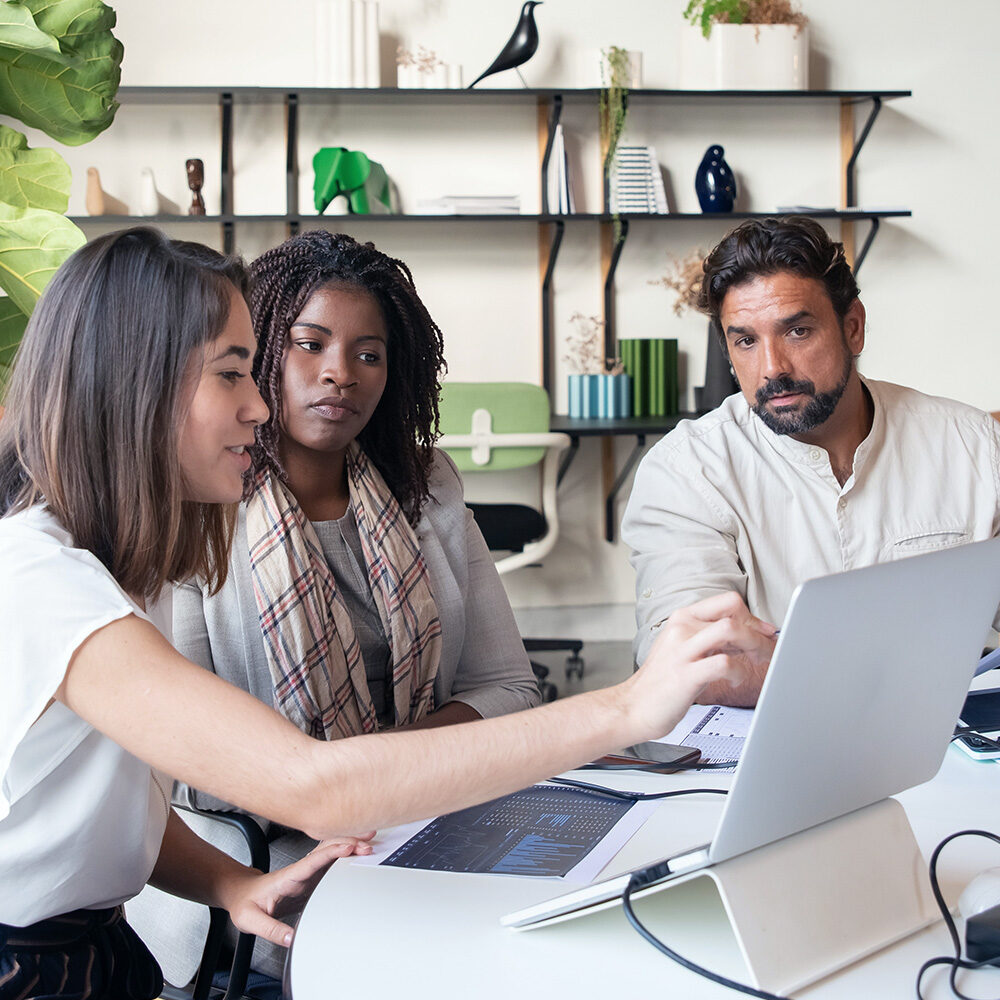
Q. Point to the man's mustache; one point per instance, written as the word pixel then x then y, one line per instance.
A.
pixel 784 386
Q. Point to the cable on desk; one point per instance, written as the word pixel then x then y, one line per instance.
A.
pixel 955 961
pixel 969 731
pixel 617 793
pixel 636 882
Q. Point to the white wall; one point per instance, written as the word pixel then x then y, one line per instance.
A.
pixel 925 283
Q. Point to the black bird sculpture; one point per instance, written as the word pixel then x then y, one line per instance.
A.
pixel 520 47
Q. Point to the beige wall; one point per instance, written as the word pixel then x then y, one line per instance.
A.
pixel 925 283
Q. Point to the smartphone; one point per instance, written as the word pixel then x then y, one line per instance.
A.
pixel 660 757
pixel 981 711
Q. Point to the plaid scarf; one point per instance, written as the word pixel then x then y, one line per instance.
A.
pixel 312 651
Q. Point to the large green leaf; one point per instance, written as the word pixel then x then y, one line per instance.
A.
pixel 12 324
pixel 33 243
pixel 19 31
pixel 70 102
pixel 32 178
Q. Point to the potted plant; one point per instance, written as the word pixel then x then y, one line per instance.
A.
pixel 60 65
pixel 598 386
pixel 744 45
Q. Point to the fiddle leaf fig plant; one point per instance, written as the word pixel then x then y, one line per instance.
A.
pixel 60 66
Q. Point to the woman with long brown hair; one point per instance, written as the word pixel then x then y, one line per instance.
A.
pixel 128 417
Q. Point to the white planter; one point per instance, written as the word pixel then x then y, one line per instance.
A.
pixel 745 57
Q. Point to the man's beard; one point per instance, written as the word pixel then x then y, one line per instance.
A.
pixel 817 410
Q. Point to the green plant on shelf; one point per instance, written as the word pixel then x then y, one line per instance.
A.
pixel 613 111
pixel 59 71
pixel 705 13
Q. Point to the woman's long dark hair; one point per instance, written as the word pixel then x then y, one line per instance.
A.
pixel 96 401
pixel 400 436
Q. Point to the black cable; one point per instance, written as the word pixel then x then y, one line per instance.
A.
pixel 969 731
pixel 636 882
pixel 955 962
pixel 617 793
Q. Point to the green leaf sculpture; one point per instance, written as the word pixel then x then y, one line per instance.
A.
pixel 59 71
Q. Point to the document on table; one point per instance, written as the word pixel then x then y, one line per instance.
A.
pixel 717 731
pixel 545 831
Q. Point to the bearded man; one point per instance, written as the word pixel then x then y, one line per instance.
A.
pixel 810 469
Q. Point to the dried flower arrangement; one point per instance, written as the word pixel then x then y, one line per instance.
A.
pixel 425 61
pixel 683 278
pixel 584 347
pixel 705 13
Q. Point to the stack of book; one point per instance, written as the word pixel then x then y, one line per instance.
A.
pixel 653 366
pixel 460 204
pixel 636 181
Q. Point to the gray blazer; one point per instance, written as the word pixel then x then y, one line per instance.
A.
pixel 483 664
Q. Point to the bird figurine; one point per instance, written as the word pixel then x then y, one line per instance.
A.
pixel 520 47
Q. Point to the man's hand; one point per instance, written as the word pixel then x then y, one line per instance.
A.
pixel 712 648
pixel 258 901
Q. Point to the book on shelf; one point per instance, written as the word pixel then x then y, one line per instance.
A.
pixel 652 363
pixel 455 204
pixel 560 193
pixel 347 43
pixel 636 181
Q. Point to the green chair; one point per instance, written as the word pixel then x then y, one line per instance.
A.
pixel 498 427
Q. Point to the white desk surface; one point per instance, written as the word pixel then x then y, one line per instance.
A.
pixel 372 932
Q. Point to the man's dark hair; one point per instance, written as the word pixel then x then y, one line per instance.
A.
pixel 399 438
pixel 762 247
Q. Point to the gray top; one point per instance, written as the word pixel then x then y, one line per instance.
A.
pixel 483 662
pixel 341 544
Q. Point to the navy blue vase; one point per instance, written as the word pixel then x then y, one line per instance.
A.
pixel 714 182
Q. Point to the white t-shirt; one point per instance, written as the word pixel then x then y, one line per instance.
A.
pixel 81 819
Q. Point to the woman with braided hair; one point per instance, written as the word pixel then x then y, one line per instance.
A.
pixel 361 595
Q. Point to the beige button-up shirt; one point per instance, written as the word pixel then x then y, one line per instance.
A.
pixel 722 503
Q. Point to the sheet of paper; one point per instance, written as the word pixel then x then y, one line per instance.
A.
pixel 719 732
pixel 562 829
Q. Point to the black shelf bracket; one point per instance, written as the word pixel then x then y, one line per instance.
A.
pixel 609 503
pixel 863 252
pixel 567 460
pixel 555 113
pixel 292 162
pixel 226 159
pixel 851 179
pixel 610 340
pixel 555 241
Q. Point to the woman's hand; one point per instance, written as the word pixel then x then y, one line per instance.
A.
pixel 716 642
pixel 259 901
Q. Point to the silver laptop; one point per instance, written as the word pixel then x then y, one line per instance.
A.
pixel 860 702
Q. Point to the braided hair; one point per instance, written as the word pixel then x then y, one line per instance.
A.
pixel 399 438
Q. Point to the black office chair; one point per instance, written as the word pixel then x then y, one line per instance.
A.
pixel 498 427
pixel 212 958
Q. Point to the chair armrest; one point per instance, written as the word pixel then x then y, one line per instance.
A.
pixel 260 858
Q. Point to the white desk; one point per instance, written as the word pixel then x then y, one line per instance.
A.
pixel 390 932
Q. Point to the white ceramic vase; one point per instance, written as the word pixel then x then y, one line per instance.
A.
pixel 745 57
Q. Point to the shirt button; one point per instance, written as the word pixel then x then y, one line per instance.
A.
pixel 842 505
pixel 647 592
pixel 815 454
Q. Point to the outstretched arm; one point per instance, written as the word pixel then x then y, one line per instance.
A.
pixel 128 682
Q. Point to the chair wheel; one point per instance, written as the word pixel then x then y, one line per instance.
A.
pixel 574 667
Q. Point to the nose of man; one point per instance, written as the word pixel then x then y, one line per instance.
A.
pixel 774 362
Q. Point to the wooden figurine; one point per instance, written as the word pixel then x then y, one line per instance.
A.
pixel 196 181
pixel 98 201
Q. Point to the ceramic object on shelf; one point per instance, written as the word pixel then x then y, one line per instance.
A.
pixel 151 201
pixel 519 48
pixel 745 57
pixel 603 396
pixel 98 201
pixel 714 182
pixel 340 171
